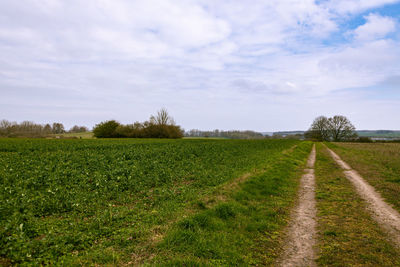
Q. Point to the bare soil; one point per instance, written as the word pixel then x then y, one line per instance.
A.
pixel 381 211
pixel 300 241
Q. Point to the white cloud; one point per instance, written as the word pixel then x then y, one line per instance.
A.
pixel 376 27
pixel 356 6
pixel 223 57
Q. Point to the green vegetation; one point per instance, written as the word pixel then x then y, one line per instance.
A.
pixel 30 129
pixel 110 201
pixel 378 163
pixel 379 133
pixel 160 126
pixel 82 135
pixel 337 128
pixel 348 236
pixel 246 228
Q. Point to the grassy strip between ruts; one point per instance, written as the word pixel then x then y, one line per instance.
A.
pixel 378 163
pixel 245 227
pixel 348 236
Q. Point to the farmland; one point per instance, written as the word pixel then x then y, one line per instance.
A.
pixel 136 201
pixel 194 202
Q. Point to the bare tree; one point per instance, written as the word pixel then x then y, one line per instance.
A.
pixel 162 118
pixel 5 127
pixel 47 129
pixel 58 128
pixel 78 129
pixel 340 128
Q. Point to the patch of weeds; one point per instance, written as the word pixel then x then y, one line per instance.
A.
pixel 225 211
pixel 201 205
pixel 330 233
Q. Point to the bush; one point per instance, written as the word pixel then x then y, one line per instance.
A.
pixel 162 131
pixel 161 126
pixel 363 139
pixel 106 129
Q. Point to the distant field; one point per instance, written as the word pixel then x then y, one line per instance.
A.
pixel 364 133
pixel 84 135
pixel 380 134
pixel 136 201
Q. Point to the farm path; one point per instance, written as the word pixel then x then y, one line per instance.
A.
pixel 382 212
pixel 302 228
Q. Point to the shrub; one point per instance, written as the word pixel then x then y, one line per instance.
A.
pixel 160 126
pixel 364 139
pixel 106 129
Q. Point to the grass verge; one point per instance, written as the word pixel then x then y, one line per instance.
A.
pixel 378 163
pixel 348 236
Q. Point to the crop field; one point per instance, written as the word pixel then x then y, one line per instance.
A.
pixel 74 202
pixel 198 202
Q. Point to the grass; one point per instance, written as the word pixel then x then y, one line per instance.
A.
pixel 107 202
pixel 348 236
pixel 378 163
pixel 245 227
pixel 84 135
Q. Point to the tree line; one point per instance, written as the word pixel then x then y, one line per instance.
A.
pixel 31 129
pixel 225 134
pixel 161 125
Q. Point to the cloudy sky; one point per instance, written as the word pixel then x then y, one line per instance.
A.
pixel 232 64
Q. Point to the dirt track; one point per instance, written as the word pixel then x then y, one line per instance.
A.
pixel 302 229
pixel 382 212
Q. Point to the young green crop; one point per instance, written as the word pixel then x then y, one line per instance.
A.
pixel 244 229
pixel 101 201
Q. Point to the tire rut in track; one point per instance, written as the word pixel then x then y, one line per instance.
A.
pixel 381 211
pixel 299 248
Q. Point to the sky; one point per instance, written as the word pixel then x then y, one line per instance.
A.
pixel 233 64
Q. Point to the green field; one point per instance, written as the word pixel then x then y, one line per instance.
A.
pixel 84 135
pixel 128 201
pixel 188 202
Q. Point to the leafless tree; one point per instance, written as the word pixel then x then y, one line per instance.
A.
pixel 78 129
pixel 58 128
pixel 162 118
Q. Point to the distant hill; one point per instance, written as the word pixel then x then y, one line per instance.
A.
pixel 284 133
pixel 267 133
pixel 390 134
pixel 379 133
